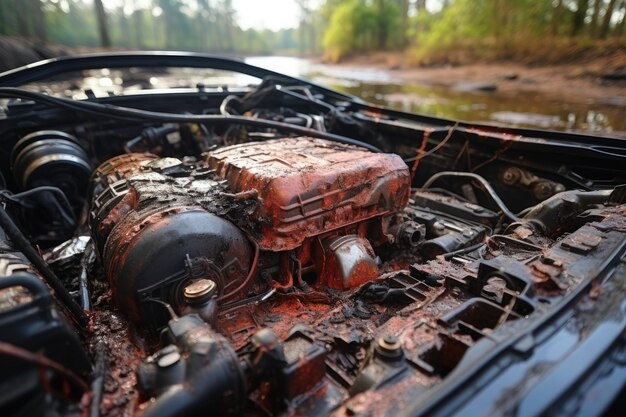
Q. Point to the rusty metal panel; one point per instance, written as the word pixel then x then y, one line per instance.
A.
pixel 310 186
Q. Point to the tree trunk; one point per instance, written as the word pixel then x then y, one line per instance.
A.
pixel 557 16
pixel 382 29
pixel 593 25
pixel 38 20
pixel 404 23
pixel 229 21
pixel 157 30
pixel 103 29
pixel 303 32
pixel 301 38
pixel 4 30
pixel 138 27
pixel 420 7
pixel 579 16
pixel 606 22
pixel 312 46
pixel 204 23
pixel 125 30
pixel 621 27
pixel 20 18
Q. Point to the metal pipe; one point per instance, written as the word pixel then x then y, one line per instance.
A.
pixel 88 257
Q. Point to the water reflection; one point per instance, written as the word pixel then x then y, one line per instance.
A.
pixel 520 109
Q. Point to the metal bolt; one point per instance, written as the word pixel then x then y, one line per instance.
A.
pixel 389 342
pixel 389 348
pixel 543 190
pixel 510 176
pixel 439 228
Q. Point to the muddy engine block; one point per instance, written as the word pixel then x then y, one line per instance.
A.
pixel 245 220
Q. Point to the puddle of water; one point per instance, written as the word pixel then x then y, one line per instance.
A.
pixel 520 109
pixel 304 68
pixel 523 109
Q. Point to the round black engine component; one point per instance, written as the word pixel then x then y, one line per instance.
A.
pixel 147 256
pixel 156 239
pixel 51 157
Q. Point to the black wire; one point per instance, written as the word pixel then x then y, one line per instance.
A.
pixel 320 104
pixel 20 241
pixel 62 204
pixel 97 384
pixel 463 251
pixel 492 193
pixel 70 221
pixel 132 114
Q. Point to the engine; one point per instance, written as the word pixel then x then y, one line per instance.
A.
pixel 262 256
pixel 288 214
pixel 255 253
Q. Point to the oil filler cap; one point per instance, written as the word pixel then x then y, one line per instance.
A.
pixel 199 291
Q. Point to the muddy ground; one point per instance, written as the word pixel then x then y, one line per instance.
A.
pixel 601 80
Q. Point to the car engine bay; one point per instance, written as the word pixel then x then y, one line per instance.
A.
pixel 184 267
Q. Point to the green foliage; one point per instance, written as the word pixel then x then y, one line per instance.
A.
pixel 336 27
pixel 340 37
pixel 361 25
pixel 498 28
pixel 74 26
pixel 479 28
pixel 464 19
pixel 195 25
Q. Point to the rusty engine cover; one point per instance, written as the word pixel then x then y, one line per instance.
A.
pixel 311 186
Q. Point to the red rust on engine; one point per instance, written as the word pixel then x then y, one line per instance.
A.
pixel 125 206
pixel 310 186
pixel 117 169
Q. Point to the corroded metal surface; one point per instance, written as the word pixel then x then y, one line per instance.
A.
pixel 310 186
pixel 343 264
pixel 281 198
pixel 437 310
